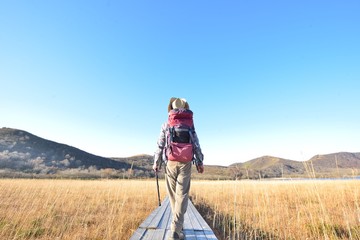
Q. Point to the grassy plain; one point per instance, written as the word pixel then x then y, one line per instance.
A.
pixel 306 209
pixel 74 209
pixel 113 209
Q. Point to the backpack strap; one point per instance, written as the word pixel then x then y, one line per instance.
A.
pixel 192 138
pixel 171 133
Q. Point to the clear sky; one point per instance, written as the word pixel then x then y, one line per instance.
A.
pixel 279 78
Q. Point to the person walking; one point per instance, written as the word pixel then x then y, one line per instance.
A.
pixel 178 147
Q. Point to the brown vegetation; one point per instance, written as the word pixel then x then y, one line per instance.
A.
pixel 113 209
pixel 307 209
pixel 74 209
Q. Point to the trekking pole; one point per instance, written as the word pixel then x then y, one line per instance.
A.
pixel 158 190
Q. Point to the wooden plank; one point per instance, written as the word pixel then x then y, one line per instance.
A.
pixel 159 234
pixel 210 235
pixel 157 225
pixel 199 218
pixel 188 227
pixel 138 234
pixel 187 222
pixel 206 230
pixel 168 226
pixel 167 234
pixel 154 218
pixel 190 234
pixel 200 235
pixel 149 234
pixel 159 216
pixel 166 220
pixel 149 221
pixel 193 219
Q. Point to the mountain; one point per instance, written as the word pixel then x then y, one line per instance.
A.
pixel 329 165
pixel 267 166
pixel 336 160
pixel 23 154
pixel 338 164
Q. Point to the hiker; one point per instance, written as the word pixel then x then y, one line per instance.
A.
pixel 178 147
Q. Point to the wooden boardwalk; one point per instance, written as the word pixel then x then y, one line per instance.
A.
pixel 157 225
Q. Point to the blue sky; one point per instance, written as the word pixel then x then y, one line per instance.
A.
pixel 277 78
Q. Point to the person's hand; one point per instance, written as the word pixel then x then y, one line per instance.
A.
pixel 200 168
pixel 155 168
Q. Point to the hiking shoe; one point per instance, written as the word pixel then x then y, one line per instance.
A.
pixel 176 236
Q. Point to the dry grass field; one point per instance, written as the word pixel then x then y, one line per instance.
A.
pixel 113 209
pixel 307 209
pixel 74 209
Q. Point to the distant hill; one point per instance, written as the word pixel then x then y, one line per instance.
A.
pixel 23 154
pixel 338 164
pixel 336 160
pixel 335 165
pixel 27 153
pixel 266 167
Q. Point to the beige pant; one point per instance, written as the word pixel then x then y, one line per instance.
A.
pixel 177 178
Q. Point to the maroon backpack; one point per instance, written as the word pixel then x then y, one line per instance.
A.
pixel 179 135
